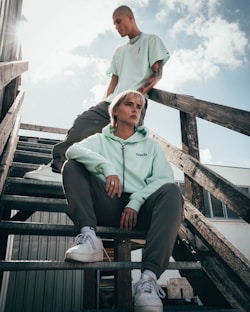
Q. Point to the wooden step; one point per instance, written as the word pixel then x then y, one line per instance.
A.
pixel 49 142
pixel 170 307
pixel 29 265
pixel 34 147
pixel 18 169
pixel 36 228
pixel 30 203
pixel 32 157
pixel 20 186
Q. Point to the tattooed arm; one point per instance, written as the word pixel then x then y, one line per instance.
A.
pixel 153 79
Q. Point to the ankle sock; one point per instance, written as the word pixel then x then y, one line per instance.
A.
pixel 88 229
pixel 149 273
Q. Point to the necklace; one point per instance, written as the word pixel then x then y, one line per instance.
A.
pixel 136 38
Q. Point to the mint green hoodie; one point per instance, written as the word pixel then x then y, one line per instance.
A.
pixel 139 161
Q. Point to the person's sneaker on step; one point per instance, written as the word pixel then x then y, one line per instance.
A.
pixel 148 294
pixel 86 248
pixel 44 173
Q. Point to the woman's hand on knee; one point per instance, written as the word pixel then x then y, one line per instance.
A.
pixel 128 219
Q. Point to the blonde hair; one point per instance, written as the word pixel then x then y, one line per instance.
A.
pixel 123 96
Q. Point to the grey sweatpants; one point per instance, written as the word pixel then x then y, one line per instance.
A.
pixel 160 215
pixel 89 122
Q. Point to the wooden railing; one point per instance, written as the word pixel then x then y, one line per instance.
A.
pixel 187 159
pixel 10 104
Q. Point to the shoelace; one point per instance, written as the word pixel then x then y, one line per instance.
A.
pixel 146 285
pixel 83 238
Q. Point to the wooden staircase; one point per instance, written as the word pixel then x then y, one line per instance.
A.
pixel 35 230
pixel 38 209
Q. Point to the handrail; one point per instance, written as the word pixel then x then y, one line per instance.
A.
pixel 219 187
pixel 10 71
pixel 225 116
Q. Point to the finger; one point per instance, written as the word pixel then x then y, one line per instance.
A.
pixel 119 189
pixel 134 220
pixel 130 222
pixel 110 187
pixel 125 221
pixel 122 221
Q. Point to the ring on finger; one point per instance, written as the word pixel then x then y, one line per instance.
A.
pixel 112 183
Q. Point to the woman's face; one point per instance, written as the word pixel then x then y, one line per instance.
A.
pixel 129 111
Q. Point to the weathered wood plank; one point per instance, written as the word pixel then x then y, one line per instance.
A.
pixel 228 117
pixel 226 280
pixel 123 279
pixel 29 186
pixel 223 248
pixel 190 145
pixel 238 296
pixel 8 154
pixel 7 124
pixel 32 157
pixel 32 203
pixel 36 228
pixel 219 187
pixel 30 127
pixel 11 70
pixel 29 265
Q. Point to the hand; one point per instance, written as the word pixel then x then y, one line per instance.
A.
pixel 113 186
pixel 128 219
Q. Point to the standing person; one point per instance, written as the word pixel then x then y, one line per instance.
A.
pixel 137 65
pixel 121 178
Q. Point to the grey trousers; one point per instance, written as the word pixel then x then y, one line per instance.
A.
pixel 89 122
pixel 160 215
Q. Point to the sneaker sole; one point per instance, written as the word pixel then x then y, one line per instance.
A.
pixel 148 308
pixel 84 258
pixel 42 178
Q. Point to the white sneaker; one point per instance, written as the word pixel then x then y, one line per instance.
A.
pixel 44 173
pixel 147 295
pixel 87 248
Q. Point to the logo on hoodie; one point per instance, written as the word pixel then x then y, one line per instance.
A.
pixel 141 154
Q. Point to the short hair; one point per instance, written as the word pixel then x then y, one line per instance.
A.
pixel 119 99
pixel 123 9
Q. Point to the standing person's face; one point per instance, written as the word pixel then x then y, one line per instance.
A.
pixel 129 111
pixel 123 23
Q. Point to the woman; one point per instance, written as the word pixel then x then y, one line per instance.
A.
pixel 121 177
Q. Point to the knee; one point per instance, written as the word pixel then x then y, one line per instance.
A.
pixel 67 166
pixel 173 194
pixel 70 167
pixel 172 188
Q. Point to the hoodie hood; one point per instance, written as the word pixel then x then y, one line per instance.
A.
pixel 141 133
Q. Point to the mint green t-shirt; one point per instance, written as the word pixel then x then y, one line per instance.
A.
pixel 132 62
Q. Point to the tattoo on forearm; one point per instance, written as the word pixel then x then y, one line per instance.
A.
pixel 153 79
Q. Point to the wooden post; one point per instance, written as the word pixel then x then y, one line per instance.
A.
pixel 123 280
pixel 190 145
pixel 90 289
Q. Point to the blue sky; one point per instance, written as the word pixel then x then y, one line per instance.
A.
pixel 69 45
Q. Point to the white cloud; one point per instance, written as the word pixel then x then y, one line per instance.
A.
pixel 186 66
pixel 223 42
pixel 54 28
pixel 214 42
